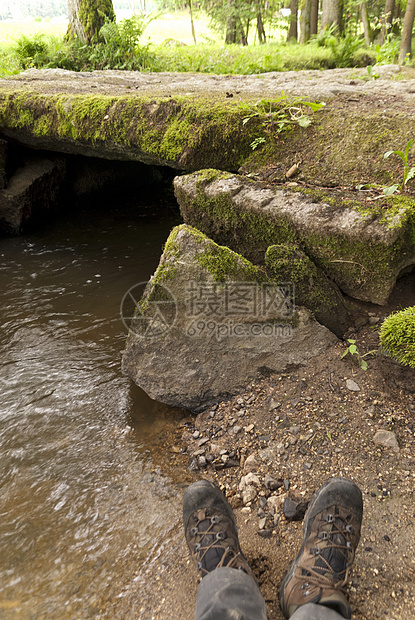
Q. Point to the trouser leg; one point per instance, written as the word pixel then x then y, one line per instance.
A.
pixel 311 611
pixel 229 594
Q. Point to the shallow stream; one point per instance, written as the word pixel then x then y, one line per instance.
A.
pixel 80 491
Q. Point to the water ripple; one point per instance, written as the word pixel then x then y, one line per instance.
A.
pixel 78 489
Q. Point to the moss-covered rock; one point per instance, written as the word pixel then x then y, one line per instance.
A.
pixel 312 289
pixel 177 132
pixel 194 121
pixel 397 336
pixel 213 202
pixel 209 321
pixel 363 251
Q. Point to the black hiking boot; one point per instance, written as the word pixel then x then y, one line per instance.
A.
pixel 210 529
pixel 320 572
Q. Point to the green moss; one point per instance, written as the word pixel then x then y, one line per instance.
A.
pixel 397 336
pixel 183 132
pixel 368 264
pixel 244 230
pixel 355 265
pixel 401 213
pixel 42 125
pixel 92 14
pixel 288 263
pixel 222 263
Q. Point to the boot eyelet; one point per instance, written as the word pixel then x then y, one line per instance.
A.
pixel 220 535
pixel 215 519
pixel 349 545
pixel 324 535
pixel 330 518
pixel 349 529
pixel 193 531
pixel 197 547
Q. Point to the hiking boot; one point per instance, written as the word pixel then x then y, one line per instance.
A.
pixel 210 529
pixel 320 572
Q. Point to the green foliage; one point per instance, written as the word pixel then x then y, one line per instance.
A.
pixel 343 49
pixel 117 48
pixel 397 336
pixel 408 173
pixel 281 115
pixel 388 53
pixel 371 72
pixel 32 51
pixel 237 18
pixel 354 352
pixel 234 59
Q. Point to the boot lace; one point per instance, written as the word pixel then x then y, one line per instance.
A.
pixel 212 546
pixel 330 554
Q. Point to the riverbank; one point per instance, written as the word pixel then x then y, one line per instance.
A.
pixel 299 427
pixel 292 432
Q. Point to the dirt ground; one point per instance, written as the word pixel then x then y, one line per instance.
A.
pixel 301 427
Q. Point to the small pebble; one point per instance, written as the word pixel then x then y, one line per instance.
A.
pixel 352 385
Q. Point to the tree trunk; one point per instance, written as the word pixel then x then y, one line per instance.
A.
pixel 305 21
pixel 262 37
pixel 398 10
pixel 408 23
pixel 235 32
pixel 293 29
pixel 242 35
pixel 365 22
pixel 330 14
pixel 314 17
pixel 230 34
pixel 86 18
pixel 192 24
pixel 387 20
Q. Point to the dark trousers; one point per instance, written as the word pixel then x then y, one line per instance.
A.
pixel 230 594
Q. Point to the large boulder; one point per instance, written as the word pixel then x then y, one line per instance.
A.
pixel 34 188
pixel 209 321
pixel 363 251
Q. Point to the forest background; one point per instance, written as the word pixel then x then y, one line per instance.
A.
pixel 214 36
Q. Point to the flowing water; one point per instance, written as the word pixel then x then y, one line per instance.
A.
pixel 79 489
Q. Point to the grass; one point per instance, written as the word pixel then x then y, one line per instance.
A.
pixel 170 47
pixel 10 32
pixel 234 59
